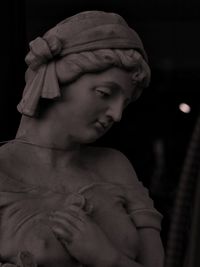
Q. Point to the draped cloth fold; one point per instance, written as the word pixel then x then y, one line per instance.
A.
pixel 43 84
pixel 86 31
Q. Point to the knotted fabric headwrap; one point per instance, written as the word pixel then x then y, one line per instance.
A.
pixel 86 31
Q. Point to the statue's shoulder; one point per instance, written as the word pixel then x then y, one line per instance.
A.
pixel 112 165
pixel 9 165
pixel 6 151
pixel 6 159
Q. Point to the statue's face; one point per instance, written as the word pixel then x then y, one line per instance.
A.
pixel 91 105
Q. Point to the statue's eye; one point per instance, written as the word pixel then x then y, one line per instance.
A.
pixel 103 92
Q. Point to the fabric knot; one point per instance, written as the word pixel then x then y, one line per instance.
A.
pixel 42 51
pixel 76 200
pixel 55 44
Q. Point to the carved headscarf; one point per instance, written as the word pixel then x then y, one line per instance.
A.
pixel 73 47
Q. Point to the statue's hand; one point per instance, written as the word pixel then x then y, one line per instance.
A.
pixel 7 265
pixel 24 259
pixel 82 237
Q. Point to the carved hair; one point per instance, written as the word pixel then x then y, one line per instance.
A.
pixel 73 66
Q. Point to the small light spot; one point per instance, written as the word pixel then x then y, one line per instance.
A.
pixel 185 108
